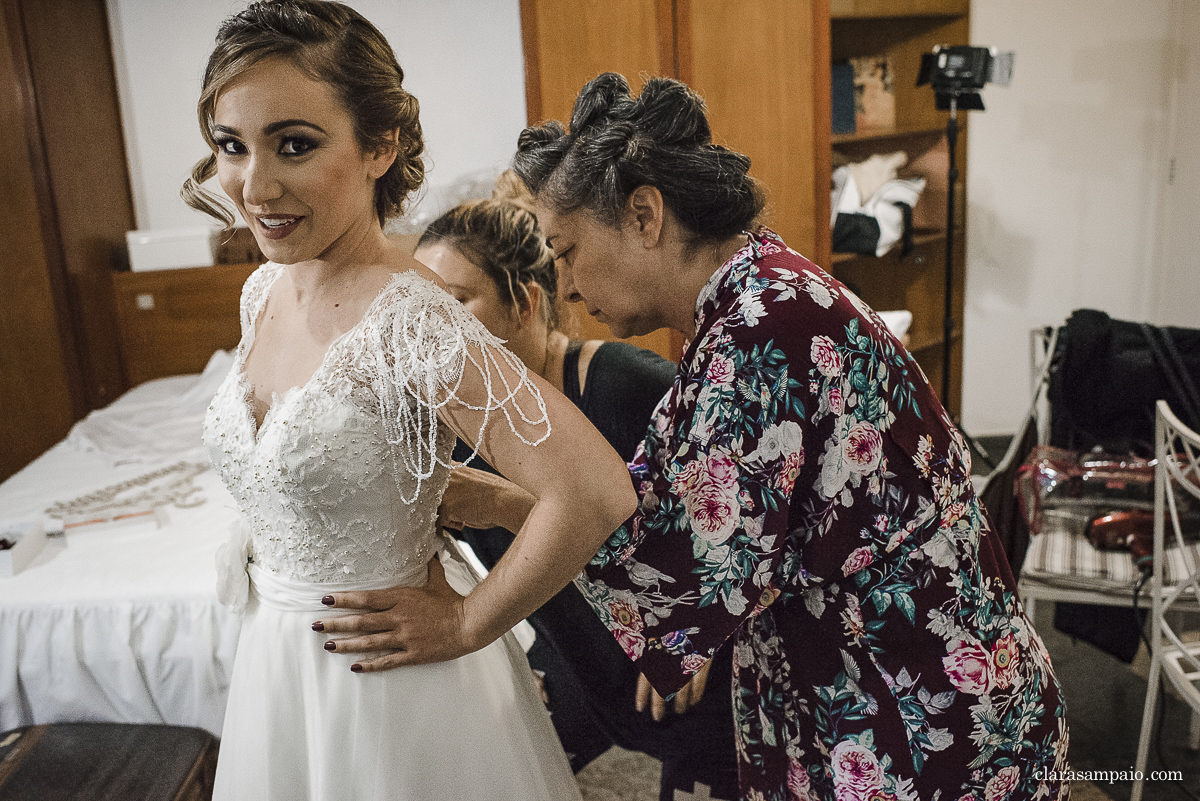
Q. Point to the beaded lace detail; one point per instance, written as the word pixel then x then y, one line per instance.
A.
pixel 343 478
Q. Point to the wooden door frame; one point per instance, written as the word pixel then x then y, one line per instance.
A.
pixel 63 58
pixel 56 263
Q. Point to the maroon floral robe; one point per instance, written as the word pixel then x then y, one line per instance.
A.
pixel 803 490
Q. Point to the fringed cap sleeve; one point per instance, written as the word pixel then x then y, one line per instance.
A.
pixel 418 345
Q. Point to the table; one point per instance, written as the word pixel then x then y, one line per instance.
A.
pixel 122 624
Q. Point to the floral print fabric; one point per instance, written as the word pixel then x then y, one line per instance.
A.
pixel 803 490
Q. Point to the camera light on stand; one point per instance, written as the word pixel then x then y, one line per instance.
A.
pixel 957 73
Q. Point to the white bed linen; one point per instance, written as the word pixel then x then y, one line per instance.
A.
pixel 121 624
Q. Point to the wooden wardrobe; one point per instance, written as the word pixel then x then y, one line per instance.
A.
pixel 65 203
pixel 763 67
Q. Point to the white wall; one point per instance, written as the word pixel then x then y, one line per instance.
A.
pixel 461 58
pixel 1067 186
pixel 1069 203
pixel 1176 298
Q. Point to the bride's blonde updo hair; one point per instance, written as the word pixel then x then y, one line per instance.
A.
pixel 500 236
pixel 332 43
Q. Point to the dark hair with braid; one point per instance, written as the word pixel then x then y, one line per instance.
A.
pixel 617 143
pixel 500 236
pixel 332 43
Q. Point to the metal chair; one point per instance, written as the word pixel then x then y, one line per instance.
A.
pixel 1177 475
pixel 1060 564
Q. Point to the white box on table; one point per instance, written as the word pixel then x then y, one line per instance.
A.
pixel 170 249
pixel 29 538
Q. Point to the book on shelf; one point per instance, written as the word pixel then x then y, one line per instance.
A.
pixel 842 100
pixel 874 93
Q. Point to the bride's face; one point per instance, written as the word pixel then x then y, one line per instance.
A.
pixel 288 158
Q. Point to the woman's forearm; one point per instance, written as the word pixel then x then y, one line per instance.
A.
pixel 583 494
pixel 479 499
pixel 549 550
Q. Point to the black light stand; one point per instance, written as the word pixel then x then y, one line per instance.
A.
pixel 957 74
pixel 948 308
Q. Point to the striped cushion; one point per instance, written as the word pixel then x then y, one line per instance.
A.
pixel 1061 556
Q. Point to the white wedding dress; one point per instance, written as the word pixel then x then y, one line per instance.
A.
pixel 338 490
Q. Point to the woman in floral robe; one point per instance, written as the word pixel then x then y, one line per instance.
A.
pixel 801 488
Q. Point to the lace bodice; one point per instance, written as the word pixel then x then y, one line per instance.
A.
pixel 342 480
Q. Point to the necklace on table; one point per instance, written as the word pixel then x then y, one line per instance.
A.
pixel 171 485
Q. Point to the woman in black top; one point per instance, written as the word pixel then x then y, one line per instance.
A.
pixel 495 261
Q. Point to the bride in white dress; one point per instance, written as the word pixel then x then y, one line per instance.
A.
pixel 333 432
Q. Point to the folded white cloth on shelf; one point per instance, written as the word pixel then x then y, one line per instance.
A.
pixel 898 321
pixel 870 175
pixel 881 205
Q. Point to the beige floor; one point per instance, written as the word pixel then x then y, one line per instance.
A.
pixel 1086 791
pixel 620 775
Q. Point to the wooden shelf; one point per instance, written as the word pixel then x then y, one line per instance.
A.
pixel 892 9
pixel 919 240
pixel 887 14
pixel 881 134
pixel 903 31
pixel 917 347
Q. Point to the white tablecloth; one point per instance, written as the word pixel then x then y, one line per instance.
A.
pixel 121 623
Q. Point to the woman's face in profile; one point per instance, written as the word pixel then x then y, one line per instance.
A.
pixel 603 267
pixel 471 287
pixel 288 158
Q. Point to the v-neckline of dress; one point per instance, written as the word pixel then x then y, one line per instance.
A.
pixel 279 399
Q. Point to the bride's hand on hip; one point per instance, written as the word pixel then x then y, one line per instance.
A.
pixel 414 625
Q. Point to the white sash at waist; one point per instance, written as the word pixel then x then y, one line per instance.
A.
pixel 296 595
pixel 290 594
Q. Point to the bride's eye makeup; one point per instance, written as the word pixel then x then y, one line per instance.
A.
pixel 297 145
pixel 293 145
pixel 229 146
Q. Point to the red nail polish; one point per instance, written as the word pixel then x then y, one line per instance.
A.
pixel 356 668
pixel 318 626
pixel 330 646
pixel 327 600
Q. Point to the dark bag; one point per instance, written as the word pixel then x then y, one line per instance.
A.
pixel 1000 499
pixel 1107 375
pixel 860 233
